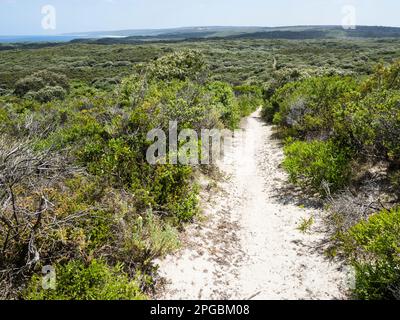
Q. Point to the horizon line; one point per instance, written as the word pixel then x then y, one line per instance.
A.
pixel 186 27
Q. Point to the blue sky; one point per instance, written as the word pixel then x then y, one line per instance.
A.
pixel 24 16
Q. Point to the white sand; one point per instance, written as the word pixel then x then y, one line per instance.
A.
pixel 248 247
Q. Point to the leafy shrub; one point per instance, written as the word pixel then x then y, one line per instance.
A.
pixel 79 281
pixel 383 78
pixel 151 238
pixel 374 125
pixel 30 83
pixel 223 98
pixel 40 80
pixel 313 164
pixel 269 111
pixel 309 107
pixel 280 78
pixel 249 98
pixel 183 65
pixel 4 119
pixel 106 83
pixel 373 246
pixel 174 191
pixel 47 94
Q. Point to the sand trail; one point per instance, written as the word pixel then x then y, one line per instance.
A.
pixel 248 245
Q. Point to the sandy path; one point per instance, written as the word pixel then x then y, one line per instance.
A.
pixel 248 245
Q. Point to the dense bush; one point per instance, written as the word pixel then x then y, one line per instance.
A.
pixel 249 98
pixel 93 281
pixel 317 165
pixel 361 117
pixel 182 65
pixel 47 94
pixel 40 80
pixel 373 247
pixel 280 78
pixel 308 107
pixel 371 118
pixel 223 98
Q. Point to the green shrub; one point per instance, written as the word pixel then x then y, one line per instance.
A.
pixel 374 125
pixel 249 99
pixel 383 78
pixel 223 98
pixel 181 65
pixel 311 164
pixel 269 111
pixel 40 80
pixel 115 159
pixel 79 281
pixel 47 94
pixel 373 247
pixel 280 78
pixel 173 191
pixel 4 119
pixel 309 107
pixel 151 238
pixel 30 83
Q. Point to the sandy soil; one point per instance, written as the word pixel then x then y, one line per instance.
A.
pixel 248 246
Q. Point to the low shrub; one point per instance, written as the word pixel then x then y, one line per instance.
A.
pixel 317 164
pixel 80 281
pixel 40 80
pixel 181 65
pixel 223 98
pixel 309 107
pixel 151 238
pixel 249 98
pixel 47 94
pixel 373 247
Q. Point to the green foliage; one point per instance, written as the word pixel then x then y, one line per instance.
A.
pixel 371 118
pixel 4 119
pixel 249 98
pixel 280 78
pixel 383 78
pixel 311 164
pixel 308 107
pixel 152 238
pixel 93 281
pixel 43 85
pixel 373 247
pixel 114 159
pixel 188 64
pixel 47 94
pixel 360 120
pixel 174 192
pixel 305 224
pixel 223 97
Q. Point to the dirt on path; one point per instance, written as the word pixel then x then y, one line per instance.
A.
pixel 247 245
